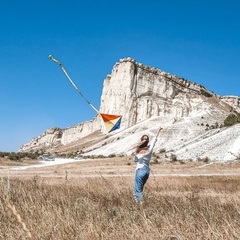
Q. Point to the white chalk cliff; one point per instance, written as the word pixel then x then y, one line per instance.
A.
pixel 147 97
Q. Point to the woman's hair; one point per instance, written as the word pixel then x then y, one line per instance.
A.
pixel 144 137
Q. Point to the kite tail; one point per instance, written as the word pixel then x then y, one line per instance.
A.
pixel 74 85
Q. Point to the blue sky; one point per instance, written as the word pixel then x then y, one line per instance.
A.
pixel 196 40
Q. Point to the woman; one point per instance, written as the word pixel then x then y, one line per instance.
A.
pixel 142 157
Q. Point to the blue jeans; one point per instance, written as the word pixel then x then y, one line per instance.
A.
pixel 141 177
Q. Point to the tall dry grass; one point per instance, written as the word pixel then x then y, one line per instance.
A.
pixel 103 208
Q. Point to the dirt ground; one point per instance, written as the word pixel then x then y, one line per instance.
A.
pixel 119 167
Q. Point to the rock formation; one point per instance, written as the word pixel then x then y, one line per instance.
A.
pixel 233 101
pixel 139 93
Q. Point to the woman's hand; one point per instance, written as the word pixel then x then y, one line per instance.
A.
pixel 158 131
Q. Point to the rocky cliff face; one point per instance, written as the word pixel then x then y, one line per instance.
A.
pixel 48 139
pixel 139 92
pixel 233 101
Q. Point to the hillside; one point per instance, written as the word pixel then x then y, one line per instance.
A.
pixel 191 116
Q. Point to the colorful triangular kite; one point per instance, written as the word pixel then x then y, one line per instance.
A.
pixel 112 122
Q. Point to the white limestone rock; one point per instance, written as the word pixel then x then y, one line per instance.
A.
pixel 141 93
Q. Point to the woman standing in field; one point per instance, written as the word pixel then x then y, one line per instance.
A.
pixel 142 157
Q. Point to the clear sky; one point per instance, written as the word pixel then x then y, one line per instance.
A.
pixel 198 40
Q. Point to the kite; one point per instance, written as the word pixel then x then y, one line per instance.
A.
pixel 111 122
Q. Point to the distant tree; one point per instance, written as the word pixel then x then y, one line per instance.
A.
pixel 173 157
pixel 232 119
pixel 162 150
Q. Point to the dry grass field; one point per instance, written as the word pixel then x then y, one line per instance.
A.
pixel 94 200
